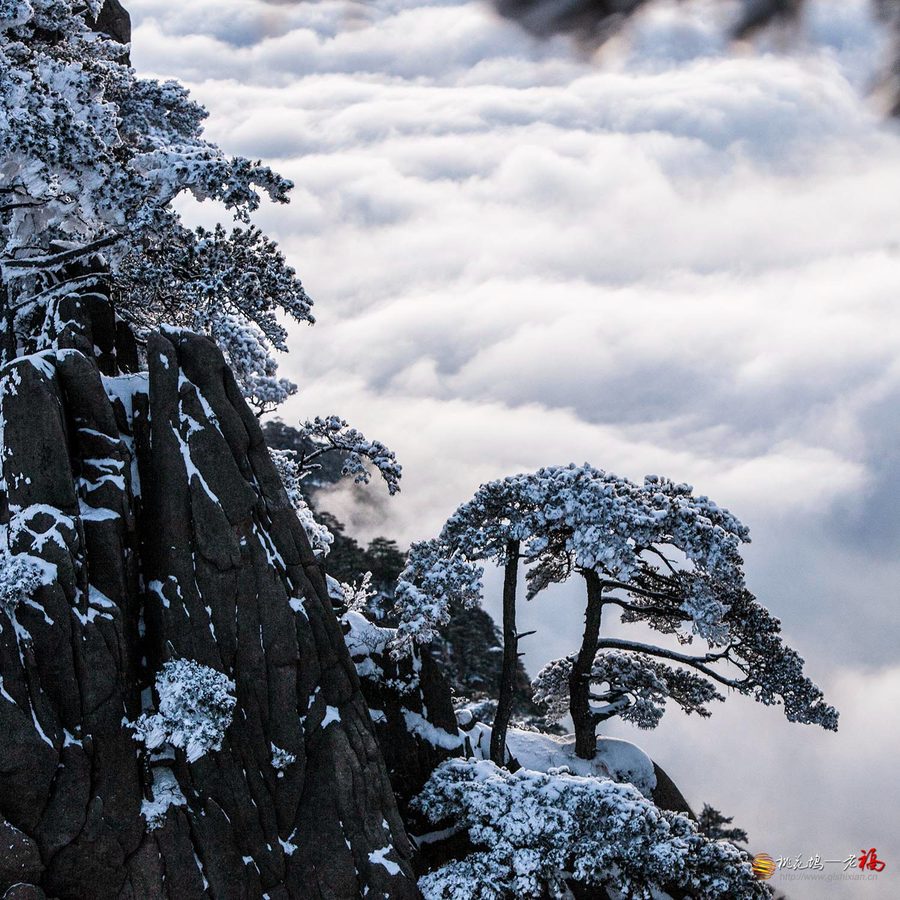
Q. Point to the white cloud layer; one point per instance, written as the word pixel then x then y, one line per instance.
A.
pixel 683 261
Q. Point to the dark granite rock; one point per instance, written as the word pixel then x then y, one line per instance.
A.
pixel 23 891
pixel 20 859
pixel 153 503
pixel 114 21
pixel 410 703
pixel 666 794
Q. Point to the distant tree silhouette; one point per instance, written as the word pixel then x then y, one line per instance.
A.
pixel 592 22
pixel 713 824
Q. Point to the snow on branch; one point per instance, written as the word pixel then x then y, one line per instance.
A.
pixel 579 517
pixel 768 670
pixel 227 284
pixel 196 704
pixel 632 686
pixel 774 671
pixel 254 367
pixel 289 468
pixel 356 595
pixel 333 433
pixel 93 159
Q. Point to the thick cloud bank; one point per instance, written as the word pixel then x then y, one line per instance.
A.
pixel 675 259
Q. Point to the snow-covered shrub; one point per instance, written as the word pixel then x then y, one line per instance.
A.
pixel 356 596
pixel 281 759
pixel 534 831
pixel 166 793
pixel 20 577
pixel 365 639
pixel 196 704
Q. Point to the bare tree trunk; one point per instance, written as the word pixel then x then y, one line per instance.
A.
pixel 579 680
pixel 510 655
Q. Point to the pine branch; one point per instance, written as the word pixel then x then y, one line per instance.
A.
pixel 696 662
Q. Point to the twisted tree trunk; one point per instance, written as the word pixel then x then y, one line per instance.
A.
pixel 584 720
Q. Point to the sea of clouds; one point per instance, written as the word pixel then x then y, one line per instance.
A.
pixel 674 257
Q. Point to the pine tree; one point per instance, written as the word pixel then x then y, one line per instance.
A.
pixel 93 159
pixel 533 833
pixel 713 824
pixel 655 552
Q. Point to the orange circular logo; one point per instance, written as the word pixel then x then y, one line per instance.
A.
pixel 763 866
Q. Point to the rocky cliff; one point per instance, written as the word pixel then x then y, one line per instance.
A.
pixel 154 528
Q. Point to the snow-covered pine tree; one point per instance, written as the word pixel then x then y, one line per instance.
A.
pixel 671 560
pixel 534 833
pixel 657 553
pixel 93 158
pixel 489 528
pixel 331 436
